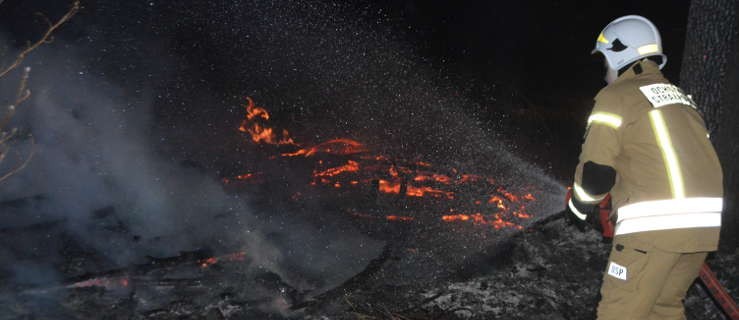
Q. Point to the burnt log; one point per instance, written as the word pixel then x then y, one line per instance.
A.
pixel 710 72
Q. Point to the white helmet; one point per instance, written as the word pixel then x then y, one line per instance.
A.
pixel 628 39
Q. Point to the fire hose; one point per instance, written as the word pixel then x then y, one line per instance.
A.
pixel 717 291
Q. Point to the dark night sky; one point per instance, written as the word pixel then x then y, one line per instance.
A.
pixel 528 44
pixel 186 54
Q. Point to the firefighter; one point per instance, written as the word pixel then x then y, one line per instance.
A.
pixel 647 146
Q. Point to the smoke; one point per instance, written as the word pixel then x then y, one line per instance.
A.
pixel 94 161
pixel 99 188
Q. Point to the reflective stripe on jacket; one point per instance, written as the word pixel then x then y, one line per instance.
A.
pixel 668 175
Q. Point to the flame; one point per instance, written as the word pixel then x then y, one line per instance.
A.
pixel 393 171
pixel 347 163
pixel 467 178
pixel 511 197
pixel 335 146
pixel 455 217
pixel 261 133
pixel 423 191
pixel 423 164
pixel 440 178
pixel 350 166
pixel 498 201
pixel 496 221
pixel 253 111
pixel 246 177
pixel 389 187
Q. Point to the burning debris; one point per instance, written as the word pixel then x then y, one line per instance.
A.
pixel 451 196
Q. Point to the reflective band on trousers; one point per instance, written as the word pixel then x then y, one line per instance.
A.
pixel 609 119
pixel 669 214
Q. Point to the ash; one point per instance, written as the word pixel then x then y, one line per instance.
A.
pixel 553 272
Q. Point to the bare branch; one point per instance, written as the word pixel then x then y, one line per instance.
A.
pixel 6 137
pixel 7 116
pixel 24 163
pixel 44 39
pixel 23 92
pixel 22 95
pixel 45 18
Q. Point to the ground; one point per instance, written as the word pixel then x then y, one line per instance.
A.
pixel 550 273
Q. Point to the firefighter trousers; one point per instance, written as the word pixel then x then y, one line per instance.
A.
pixel 643 282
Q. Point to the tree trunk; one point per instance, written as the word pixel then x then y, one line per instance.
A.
pixel 710 72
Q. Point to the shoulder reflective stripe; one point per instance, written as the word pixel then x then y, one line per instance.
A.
pixel 647 49
pixel 584 196
pixel 575 211
pixel 662 94
pixel 606 118
pixel 670 207
pixel 668 222
pixel 668 154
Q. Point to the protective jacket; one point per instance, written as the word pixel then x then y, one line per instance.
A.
pixel 648 146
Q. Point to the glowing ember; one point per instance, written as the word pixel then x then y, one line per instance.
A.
pixel 335 147
pixel 236 256
pixel 389 187
pixel 398 218
pixel 467 178
pixel 388 217
pixel 208 262
pixel 496 221
pixel 260 133
pixel 498 201
pixel 393 171
pixel 245 178
pixel 423 191
pixel 253 111
pixel 345 163
pixel 121 282
pixel 350 166
pixel 455 217
pixel 511 197
pixel 423 164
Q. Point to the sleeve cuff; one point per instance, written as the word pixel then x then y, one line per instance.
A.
pixel 584 197
pixel 576 212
